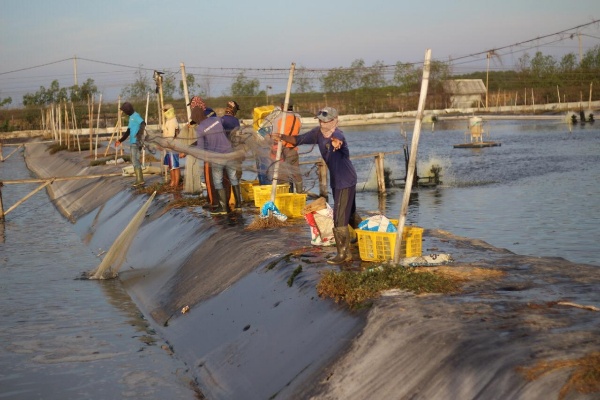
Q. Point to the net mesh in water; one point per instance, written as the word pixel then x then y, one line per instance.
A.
pixel 116 255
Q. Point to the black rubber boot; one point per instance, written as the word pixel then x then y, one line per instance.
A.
pixel 222 207
pixel 342 242
pixel 237 195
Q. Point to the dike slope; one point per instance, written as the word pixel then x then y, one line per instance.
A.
pixel 250 333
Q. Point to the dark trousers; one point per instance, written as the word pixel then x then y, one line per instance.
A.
pixel 344 206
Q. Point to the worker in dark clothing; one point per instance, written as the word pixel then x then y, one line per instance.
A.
pixel 336 154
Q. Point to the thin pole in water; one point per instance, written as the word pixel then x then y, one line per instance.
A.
pixel 412 161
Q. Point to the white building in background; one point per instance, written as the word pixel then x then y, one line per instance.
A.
pixel 465 93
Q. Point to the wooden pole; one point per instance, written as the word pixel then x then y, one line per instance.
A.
pixel 67 127
pixel 59 118
pixel 75 127
pixel 11 153
pixel 379 168
pixel 161 103
pixel 323 191
pixel 91 120
pixel 413 154
pixel 28 196
pixel 97 128
pixel 146 120
pixel 590 99
pixel 60 178
pixel 117 131
pixel 280 143
pixel 1 204
pixel 192 180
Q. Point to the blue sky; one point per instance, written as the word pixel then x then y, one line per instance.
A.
pixel 247 34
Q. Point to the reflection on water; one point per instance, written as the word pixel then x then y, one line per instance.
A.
pixel 64 338
pixel 533 195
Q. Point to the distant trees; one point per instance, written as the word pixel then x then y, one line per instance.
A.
pixel 5 101
pixel 243 86
pixel 139 88
pixel 56 94
pixel 368 88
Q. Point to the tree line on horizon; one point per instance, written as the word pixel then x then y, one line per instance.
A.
pixel 357 89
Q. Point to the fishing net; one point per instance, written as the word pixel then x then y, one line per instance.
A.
pixel 251 149
pixel 116 255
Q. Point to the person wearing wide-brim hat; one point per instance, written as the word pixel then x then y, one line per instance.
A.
pixel 170 130
pixel 336 154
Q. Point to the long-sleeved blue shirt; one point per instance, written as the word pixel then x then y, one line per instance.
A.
pixel 211 136
pixel 341 170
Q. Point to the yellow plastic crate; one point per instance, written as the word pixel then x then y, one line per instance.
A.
pixel 380 246
pixel 246 187
pixel 290 204
pixel 262 193
pixel 259 114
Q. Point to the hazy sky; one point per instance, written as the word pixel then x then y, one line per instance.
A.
pixel 225 34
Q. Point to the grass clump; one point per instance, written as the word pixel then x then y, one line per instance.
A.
pixel 356 288
pixel 56 147
pixel 584 378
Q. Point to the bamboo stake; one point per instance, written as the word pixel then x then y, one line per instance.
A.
pixel 412 162
pixel 117 129
pixel 53 122
pixel 97 128
pixel 379 168
pixel 11 153
pixel 280 143
pixel 60 178
pixel 28 196
pixel 160 104
pixel 145 119
pixel 91 120
pixel 67 127
pixel 192 180
pixel 59 118
pixel 566 303
pixel 1 208
pixel 75 126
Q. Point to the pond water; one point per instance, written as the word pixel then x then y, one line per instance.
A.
pixel 62 338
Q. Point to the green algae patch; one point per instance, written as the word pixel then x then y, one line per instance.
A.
pixel 357 288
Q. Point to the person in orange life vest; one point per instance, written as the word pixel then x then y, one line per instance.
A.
pixel 289 152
